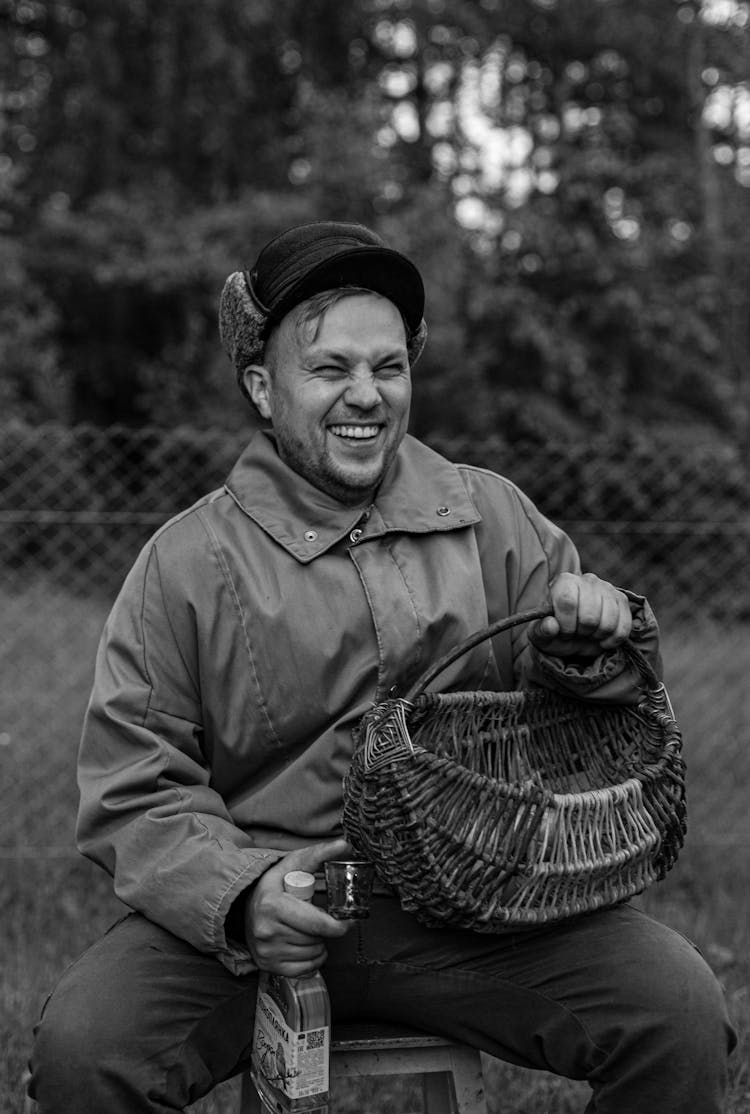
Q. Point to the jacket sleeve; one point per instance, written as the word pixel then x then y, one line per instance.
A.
pixel 522 552
pixel 608 677
pixel 148 813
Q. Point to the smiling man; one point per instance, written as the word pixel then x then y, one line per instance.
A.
pixel 336 387
pixel 339 560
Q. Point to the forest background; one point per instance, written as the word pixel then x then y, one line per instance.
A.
pixel 572 177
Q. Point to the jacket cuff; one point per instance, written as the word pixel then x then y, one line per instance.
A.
pixel 234 922
pixel 609 676
pixel 228 920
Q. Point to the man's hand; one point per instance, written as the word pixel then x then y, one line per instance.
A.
pixel 286 935
pixel 590 616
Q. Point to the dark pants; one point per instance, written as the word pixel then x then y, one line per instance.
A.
pixel 143 1022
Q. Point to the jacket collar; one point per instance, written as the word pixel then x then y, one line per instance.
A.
pixel 422 493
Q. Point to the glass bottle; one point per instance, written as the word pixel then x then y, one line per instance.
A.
pixel 292 1034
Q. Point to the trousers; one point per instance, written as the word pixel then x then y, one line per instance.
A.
pixel 142 1022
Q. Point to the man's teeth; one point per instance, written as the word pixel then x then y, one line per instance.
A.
pixel 357 431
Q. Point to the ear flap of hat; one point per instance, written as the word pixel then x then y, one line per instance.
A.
pixel 241 326
pixel 416 343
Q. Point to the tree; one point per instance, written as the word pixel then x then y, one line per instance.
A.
pixel 571 175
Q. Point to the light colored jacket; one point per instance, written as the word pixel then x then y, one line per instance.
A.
pixel 253 632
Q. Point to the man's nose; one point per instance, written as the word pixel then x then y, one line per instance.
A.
pixel 362 392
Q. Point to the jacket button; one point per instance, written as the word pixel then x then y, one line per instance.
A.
pixel 311 535
pixel 355 535
pixel 443 511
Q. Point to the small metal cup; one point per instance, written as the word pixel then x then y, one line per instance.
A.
pixel 349 885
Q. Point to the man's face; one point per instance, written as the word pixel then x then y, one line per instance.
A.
pixel 337 392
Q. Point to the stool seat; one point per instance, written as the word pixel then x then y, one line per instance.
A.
pixel 452 1081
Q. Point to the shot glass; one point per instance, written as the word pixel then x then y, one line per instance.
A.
pixel 349 885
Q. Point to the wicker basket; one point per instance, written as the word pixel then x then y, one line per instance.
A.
pixel 492 810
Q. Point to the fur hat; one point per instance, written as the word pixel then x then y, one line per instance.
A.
pixel 302 262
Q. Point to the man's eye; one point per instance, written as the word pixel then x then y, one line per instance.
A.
pixel 390 370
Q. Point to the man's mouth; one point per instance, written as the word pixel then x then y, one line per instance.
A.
pixel 355 432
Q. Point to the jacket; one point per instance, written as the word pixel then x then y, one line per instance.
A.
pixel 252 633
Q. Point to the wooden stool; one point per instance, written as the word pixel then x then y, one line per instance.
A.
pixel 452 1073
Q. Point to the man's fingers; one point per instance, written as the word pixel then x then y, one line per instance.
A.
pixel 293 969
pixel 272 911
pixel 308 919
pixel 599 617
pixel 280 933
pixel 594 610
pixel 292 962
pixel 620 623
pixel 311 858
pixel 590 615
pixel 546 628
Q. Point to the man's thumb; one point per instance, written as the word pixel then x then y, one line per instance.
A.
pixel 545 630
pixel 311 858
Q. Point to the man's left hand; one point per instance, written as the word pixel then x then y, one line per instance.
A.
pixel 590 616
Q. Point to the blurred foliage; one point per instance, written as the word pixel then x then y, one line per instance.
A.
pixel 30 385
pixel 571 176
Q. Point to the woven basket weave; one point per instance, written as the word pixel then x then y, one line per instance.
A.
pixel 491 810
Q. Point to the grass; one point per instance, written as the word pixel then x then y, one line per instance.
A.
pixel 54 904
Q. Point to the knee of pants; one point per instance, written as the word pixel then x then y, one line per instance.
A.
pixel 668 1049
pixel 63 1052
pixel 78 1033
pixel 680 1005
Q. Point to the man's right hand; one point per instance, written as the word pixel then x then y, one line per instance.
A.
pixel 285 935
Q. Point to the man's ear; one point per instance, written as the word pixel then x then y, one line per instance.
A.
pixel 257 381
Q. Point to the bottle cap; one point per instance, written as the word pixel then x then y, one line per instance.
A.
pixel 300 884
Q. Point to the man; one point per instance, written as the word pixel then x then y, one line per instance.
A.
pixel 253 632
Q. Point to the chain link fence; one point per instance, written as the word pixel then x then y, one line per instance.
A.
pixel 671 521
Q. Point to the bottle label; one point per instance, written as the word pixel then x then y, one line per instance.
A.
pixel 294 1062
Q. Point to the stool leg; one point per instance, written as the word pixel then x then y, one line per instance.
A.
pixel 468 1080
pixel 439 1093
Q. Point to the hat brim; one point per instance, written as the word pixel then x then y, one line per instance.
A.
pixel 379 269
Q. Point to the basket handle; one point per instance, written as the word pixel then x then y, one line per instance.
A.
pixel 632 653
